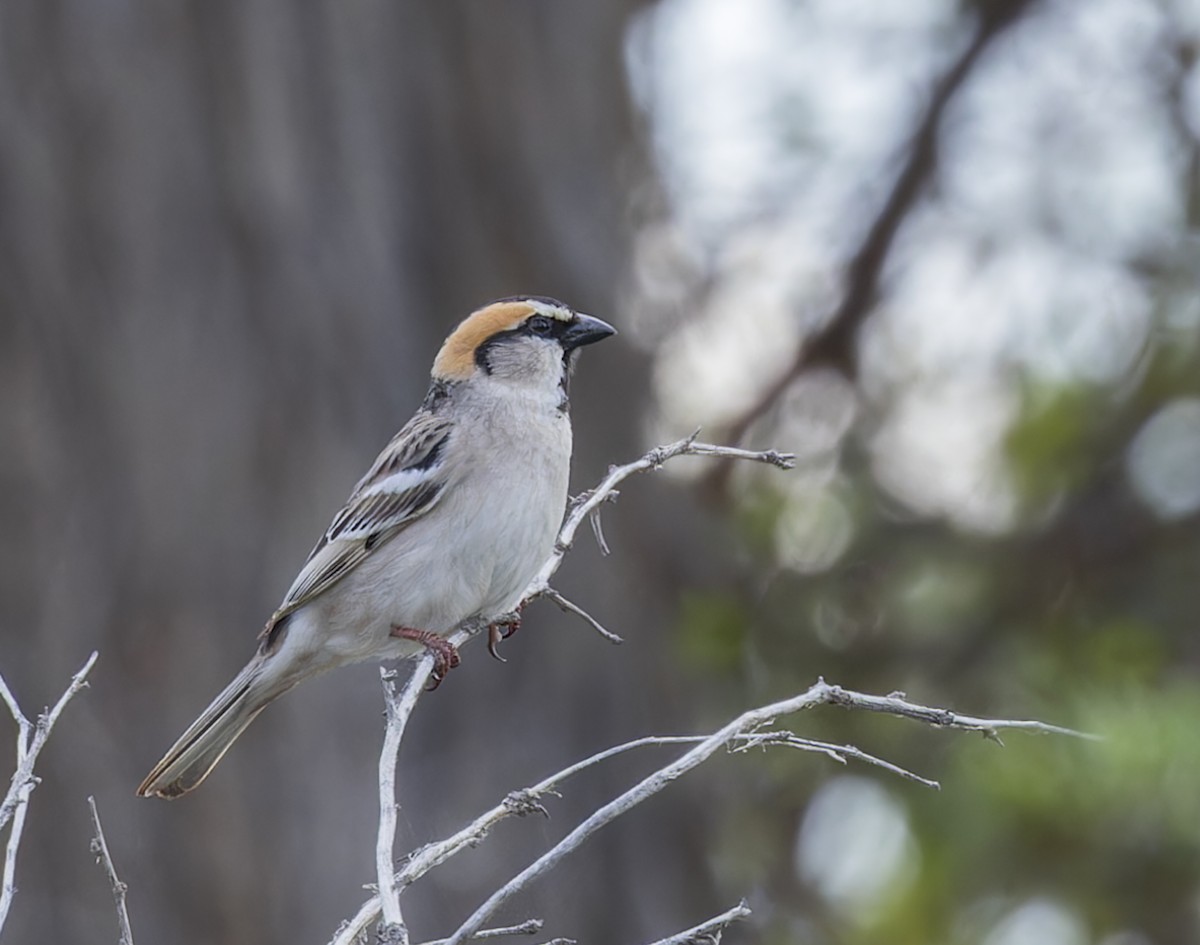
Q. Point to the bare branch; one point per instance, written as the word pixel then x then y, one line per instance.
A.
pixel 103 857
pixel 28 752
pixel 18 717
pixel 528 927
pixel 573 608
pixel 397 709
pixel 525 801
pixel 18 793
pixel 586 503
pixel 31 739
pixel 9 889
pixel 840 753
pixel 897 704
pixel 748 723
pixel 518 803
pixel 708 931
pixel 770 457
pixel 744 731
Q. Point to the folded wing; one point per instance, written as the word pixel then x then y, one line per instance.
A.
pixel 406 481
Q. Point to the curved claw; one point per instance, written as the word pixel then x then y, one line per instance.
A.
pixel 495 635
pixel 502 630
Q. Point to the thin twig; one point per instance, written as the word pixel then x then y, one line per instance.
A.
pixel 748 722
pixel 709 930
pixel 528 927
pixel 31 739
pixel 37 740
pixel 897 704
pixel 840 753
pixel 18 717
pixel 572 608
pixel 585 504
pixel 104 858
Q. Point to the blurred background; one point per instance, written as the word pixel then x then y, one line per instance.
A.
pixel 945 250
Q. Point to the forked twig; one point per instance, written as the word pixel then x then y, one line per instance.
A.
pixel 821 693
pixel 748 730
pixel 589 502
pixel 31 739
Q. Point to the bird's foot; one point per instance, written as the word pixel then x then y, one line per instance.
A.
pixel 445 653
pixel 502 628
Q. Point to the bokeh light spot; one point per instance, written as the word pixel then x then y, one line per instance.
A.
pixel 1039 922
pixel 854 843
pixel 1164 459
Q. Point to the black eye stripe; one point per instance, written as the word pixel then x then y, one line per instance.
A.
pixel 553 327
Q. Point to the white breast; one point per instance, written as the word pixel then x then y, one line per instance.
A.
pixel 473 554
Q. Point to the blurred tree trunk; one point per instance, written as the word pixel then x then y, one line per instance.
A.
pixel 231 238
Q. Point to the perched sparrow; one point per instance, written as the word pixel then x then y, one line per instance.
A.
pixel 451 522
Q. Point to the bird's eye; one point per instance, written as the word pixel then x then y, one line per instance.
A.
pixel 540 325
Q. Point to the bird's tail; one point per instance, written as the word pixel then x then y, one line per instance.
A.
pixel 197 750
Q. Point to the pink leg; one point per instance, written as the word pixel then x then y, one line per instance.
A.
pixel 445 653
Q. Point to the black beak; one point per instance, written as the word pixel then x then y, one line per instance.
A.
pixel 585 330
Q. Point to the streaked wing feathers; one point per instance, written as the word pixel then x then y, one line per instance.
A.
pixel 405 482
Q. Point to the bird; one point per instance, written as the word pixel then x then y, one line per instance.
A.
pixel 450 523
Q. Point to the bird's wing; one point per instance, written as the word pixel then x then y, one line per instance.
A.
pixel 405 482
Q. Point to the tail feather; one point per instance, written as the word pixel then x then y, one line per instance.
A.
pixel 206 740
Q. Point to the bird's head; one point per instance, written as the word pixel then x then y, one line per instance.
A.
pixel 527 341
